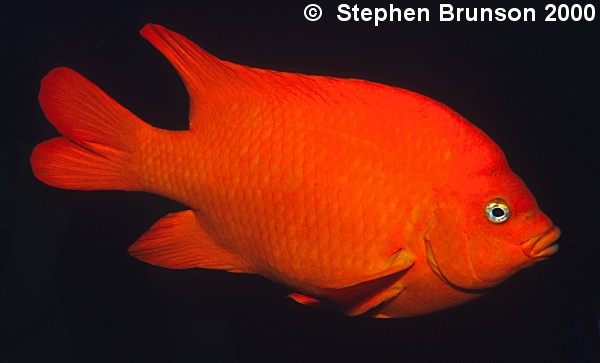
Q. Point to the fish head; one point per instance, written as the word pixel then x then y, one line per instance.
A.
pixel 486 226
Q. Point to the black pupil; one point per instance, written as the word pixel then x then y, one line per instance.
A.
pixel 498 212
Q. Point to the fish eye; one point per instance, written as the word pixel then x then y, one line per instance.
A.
pixel 497 211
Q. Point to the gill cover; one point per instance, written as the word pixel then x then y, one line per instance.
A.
pixel 447 247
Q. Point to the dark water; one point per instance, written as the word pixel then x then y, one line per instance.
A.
pixel 69 292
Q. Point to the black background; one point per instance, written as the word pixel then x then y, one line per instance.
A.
pixel 69 291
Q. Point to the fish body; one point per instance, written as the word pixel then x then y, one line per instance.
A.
pixel 367 198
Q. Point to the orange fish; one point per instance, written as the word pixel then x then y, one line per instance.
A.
pixel 359 196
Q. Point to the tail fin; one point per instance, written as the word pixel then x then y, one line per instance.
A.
pixel 99 136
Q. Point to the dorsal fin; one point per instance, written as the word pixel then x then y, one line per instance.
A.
pixel 200 71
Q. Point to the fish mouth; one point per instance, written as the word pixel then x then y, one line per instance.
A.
pixel 543 245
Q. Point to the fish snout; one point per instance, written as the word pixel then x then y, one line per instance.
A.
pixel 543 245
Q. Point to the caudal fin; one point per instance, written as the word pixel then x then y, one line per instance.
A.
pixel 99 136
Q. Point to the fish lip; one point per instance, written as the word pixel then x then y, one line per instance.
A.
pixel 542 245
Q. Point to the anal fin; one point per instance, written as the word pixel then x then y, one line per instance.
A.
pixel 179 241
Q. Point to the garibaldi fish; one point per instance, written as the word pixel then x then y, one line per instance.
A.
pixel 359 196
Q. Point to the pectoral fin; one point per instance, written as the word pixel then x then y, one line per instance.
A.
pixel 179 241
pixel 356 297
